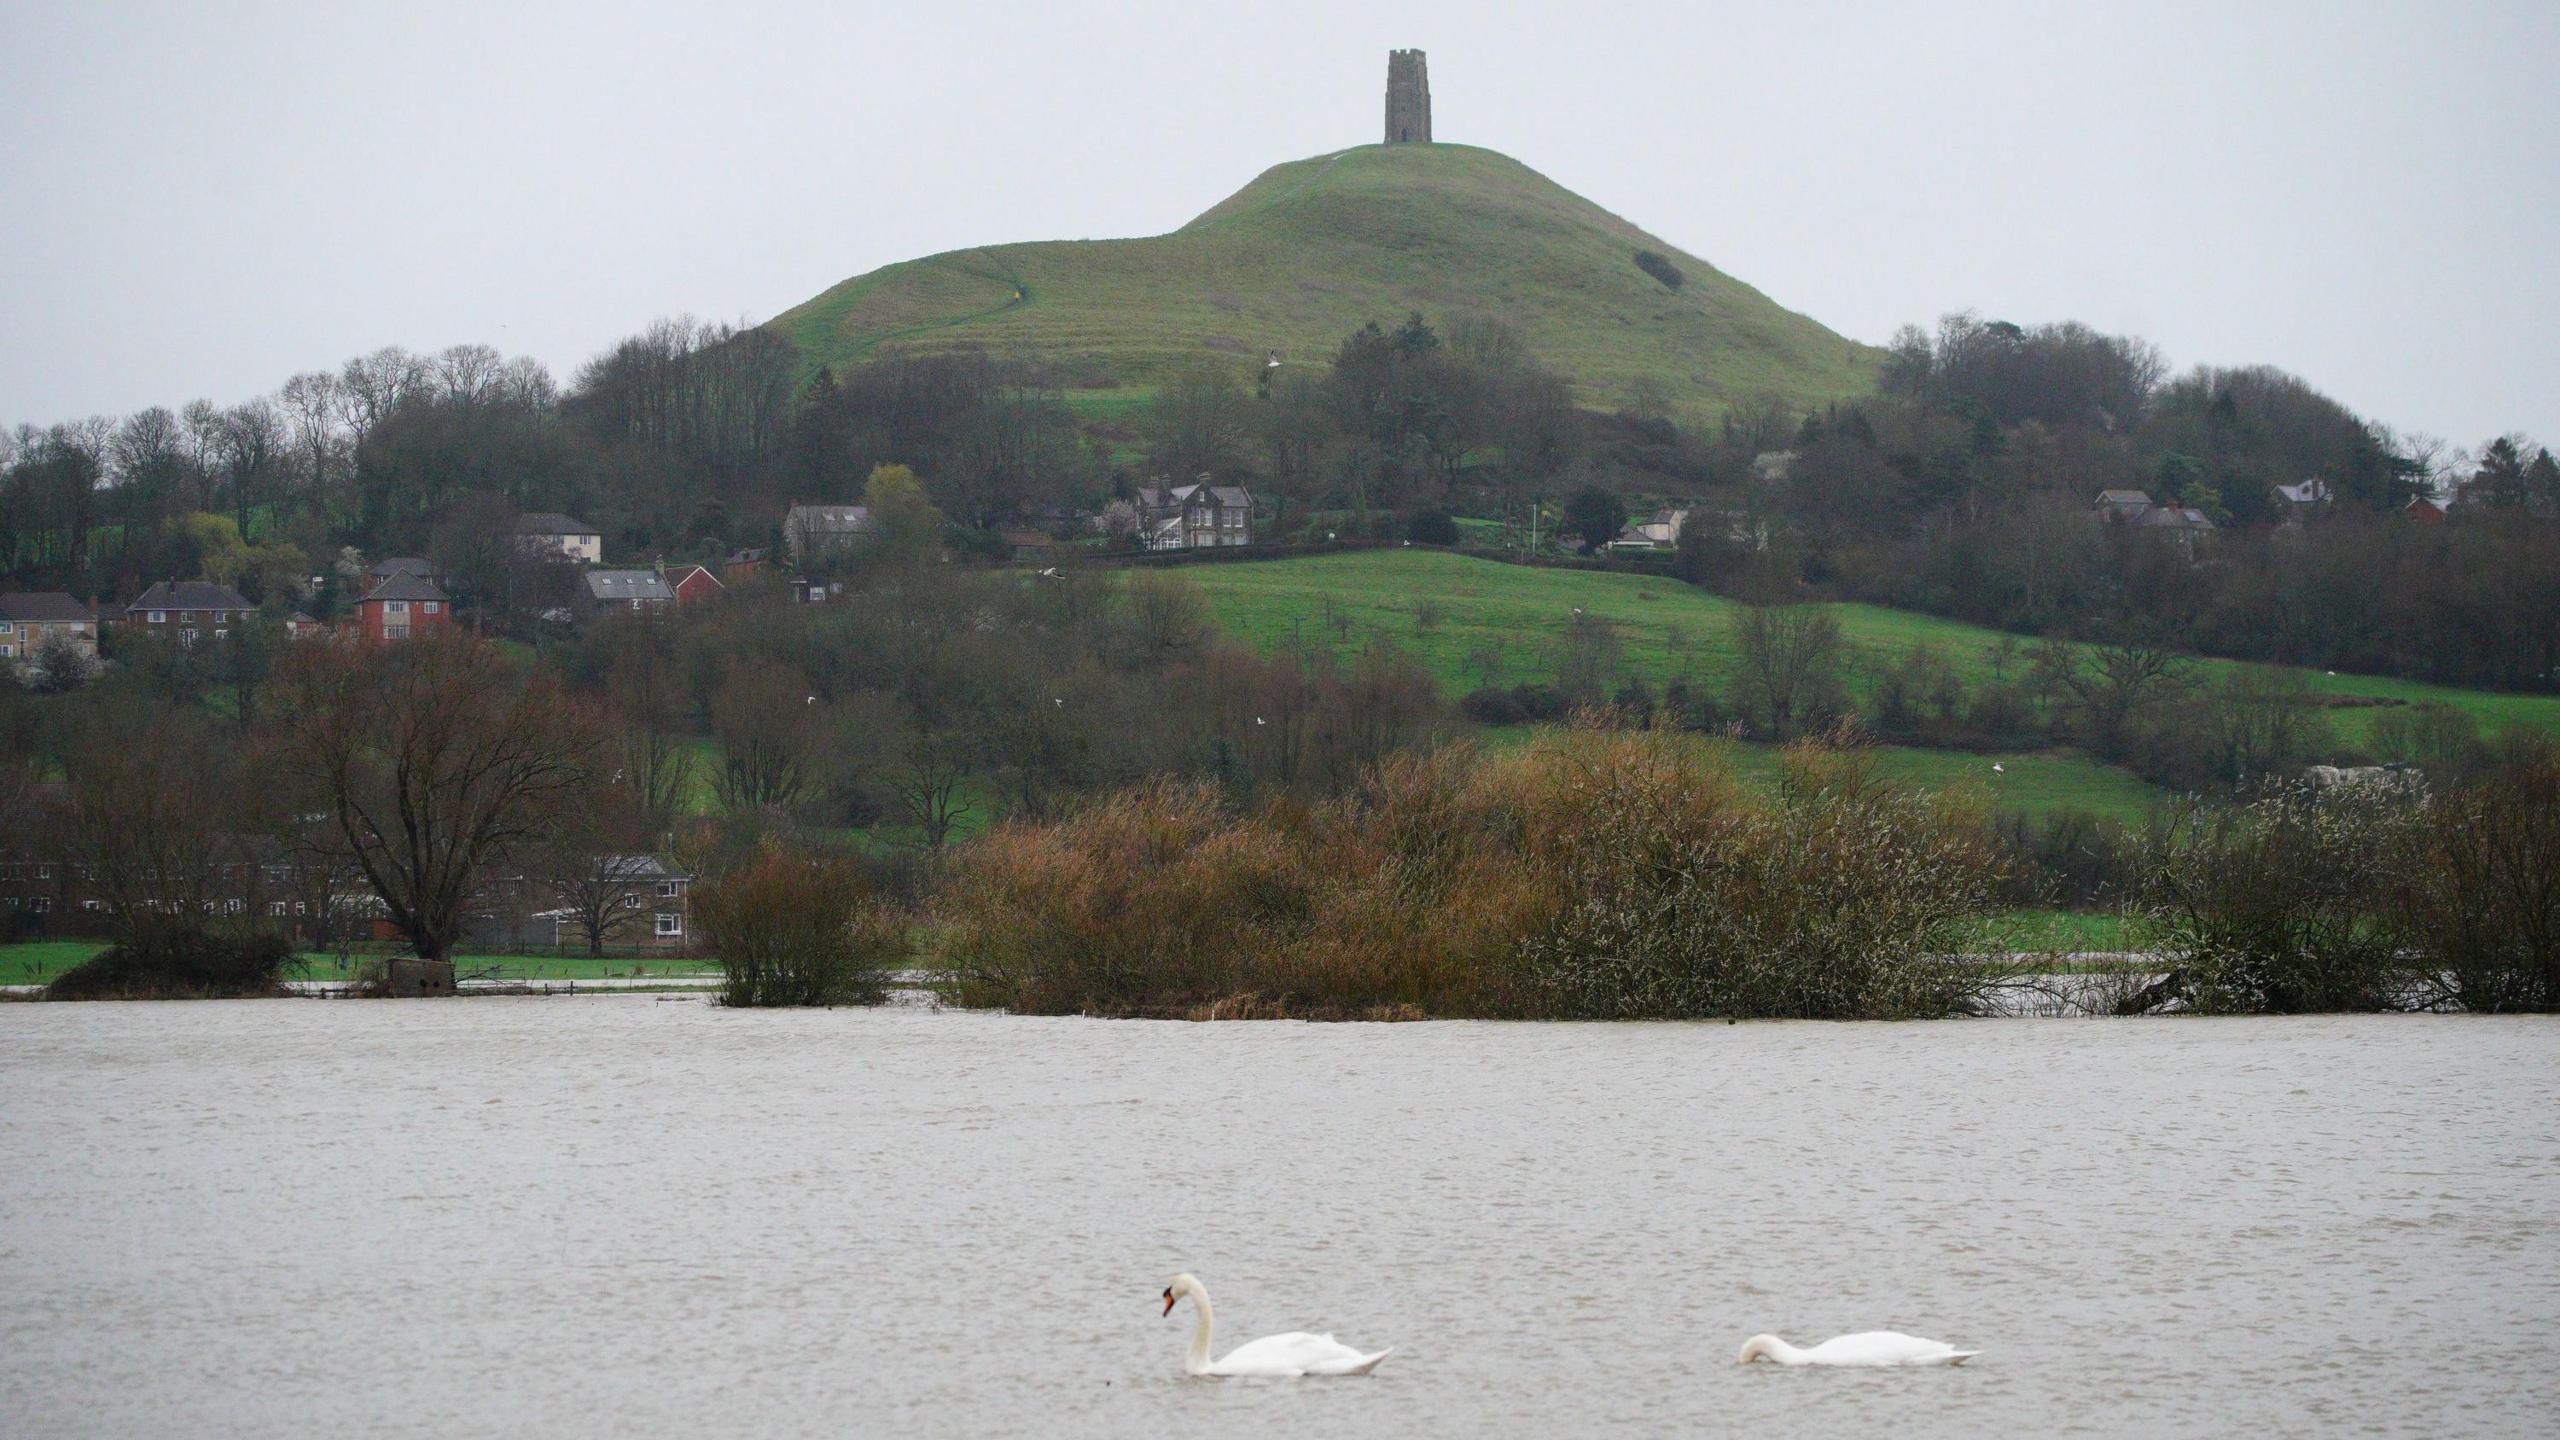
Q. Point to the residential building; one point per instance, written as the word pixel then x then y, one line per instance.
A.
pixel 186 611
pixel 744 565
pixel 390 565
pixel 2314 491
pixel 644 903
pixel 812 532
pixel 2122 504
pixel 301 625
pixel 30 620
pixel 403 607
pixel 814 590
pixel 1660 531
pixel 2424 510
pixel 561 535
pixel 690 583
pixel 1197 516
pixel 626 590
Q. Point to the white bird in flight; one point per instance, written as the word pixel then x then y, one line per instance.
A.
pixel 1998 769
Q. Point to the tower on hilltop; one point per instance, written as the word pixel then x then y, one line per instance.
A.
pixel 1408 99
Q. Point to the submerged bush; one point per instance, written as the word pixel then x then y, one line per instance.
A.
pixel 1839 901
pixel 177 962
pixel 1589 873
pixel 2276 906
pixel 792 930
pixel 2479 901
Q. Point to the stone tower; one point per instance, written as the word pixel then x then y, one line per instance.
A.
pixel 1408 99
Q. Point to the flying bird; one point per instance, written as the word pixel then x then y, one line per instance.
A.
pixel 1998 769
pixel 1051 574
pixel 1257 719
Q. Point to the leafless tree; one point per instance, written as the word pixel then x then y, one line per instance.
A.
pixel 429 758
pixel 1789 665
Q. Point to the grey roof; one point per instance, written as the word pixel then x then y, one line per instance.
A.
pixel 628 585
pixel 2123 497
pixel 2174 517
pixel 44 607
pixel 551 522
pixel 745 557
pixel 188 595
pixel 404 586
pixel 394 564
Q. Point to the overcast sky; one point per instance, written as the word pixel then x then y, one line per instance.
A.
pixel 202 199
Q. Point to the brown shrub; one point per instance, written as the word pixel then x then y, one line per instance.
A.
pixel 789 929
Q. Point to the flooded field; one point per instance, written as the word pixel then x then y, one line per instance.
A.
pixel 635 1216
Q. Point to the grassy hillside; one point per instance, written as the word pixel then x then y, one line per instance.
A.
pixel 1475 622
pixel 1312 249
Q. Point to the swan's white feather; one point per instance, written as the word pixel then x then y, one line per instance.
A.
pixel 1866 1349
pixel 1296 1353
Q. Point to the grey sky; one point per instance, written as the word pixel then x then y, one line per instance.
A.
pixel 202 199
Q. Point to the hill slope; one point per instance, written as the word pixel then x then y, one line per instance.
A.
pixel 1312 249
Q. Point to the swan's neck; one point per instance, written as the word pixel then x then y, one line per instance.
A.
pixel 1770 1347
pixel 1197 1362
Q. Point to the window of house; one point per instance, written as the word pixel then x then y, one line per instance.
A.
pixel 44 871
pixel 630 902
pixel 92 905
pixel 670 923
pixel 395 632
pixel 6 651
pixel 395 607
pixel 159 617
pixel 219 634
pixel 233 907
pixel 187 637
pixel 6 628
pixel 666 889
pixel 41 904
pixel 276 907
pixel 431 606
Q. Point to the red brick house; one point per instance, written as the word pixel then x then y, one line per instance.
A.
pixel 691 582
pixel 186 611
pixel 403 607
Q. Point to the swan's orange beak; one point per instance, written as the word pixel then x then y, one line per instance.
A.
pixel 1168 1301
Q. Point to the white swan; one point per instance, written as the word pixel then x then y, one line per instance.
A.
pixel 1866 1348
pixel 1296 1353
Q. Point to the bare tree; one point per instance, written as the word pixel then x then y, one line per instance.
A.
pixel 429 758
pixel 1790 666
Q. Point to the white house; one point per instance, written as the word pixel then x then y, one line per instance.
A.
pixel 562 535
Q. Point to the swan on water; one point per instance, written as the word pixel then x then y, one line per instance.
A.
pixel 1866 1348
pixel 1296 1353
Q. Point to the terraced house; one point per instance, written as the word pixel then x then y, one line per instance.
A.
pixel 30 621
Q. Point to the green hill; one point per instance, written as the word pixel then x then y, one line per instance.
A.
pixel 1313 249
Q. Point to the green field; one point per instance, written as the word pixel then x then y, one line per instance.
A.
pixel 1313 249
pixel 1475 622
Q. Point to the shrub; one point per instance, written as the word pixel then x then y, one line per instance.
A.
pixel 2479 903
pixel 1660 268
pixel 1836 902
pixel 1492 706
pixel 2272 907
pixel 179 962
pixel 1589 872
pixel 1431 527
pixel 794 930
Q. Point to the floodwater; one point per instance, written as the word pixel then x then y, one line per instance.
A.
pixel 635 1217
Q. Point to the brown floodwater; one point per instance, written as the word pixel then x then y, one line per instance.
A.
pixel 633 1217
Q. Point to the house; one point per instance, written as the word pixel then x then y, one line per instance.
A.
pixel 2424 510
pixel 2122 504
pixel 30 621
pixel 302 626
pixel 811 532
pixel 626 590
pixel 689 583
pixel 1660 532
pixel 812 590
pixel 561 535
pixel 2314 491
pixel 1197 516
pixel 186 610
pixel 744 565
pixel 654 901
pixel 403 607
pixel 391 565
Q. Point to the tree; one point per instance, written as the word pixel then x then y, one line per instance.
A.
pixel 429 759
pixel 771 736
pixel 1596 515
pixel 1790 666
pixel 905 529
pixel 2113 684
pixel 147 817
pixel 1199 424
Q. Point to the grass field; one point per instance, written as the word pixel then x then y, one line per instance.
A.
pixel 1313 249
pixel 1475 622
